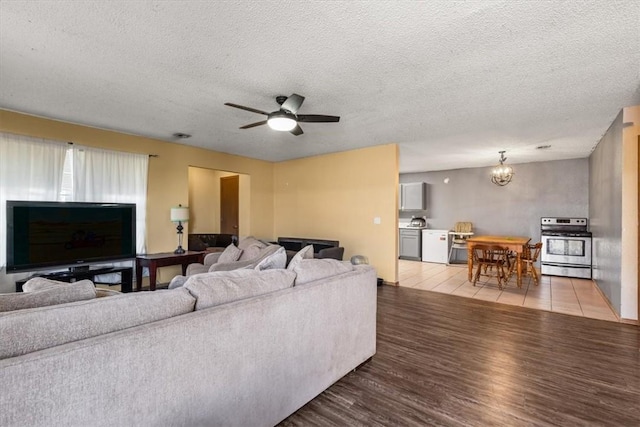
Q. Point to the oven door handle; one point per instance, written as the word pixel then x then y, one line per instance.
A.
pixel 564 265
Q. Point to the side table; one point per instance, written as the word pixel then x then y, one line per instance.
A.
pixel 153 261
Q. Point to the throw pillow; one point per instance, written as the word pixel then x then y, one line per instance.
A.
pixel 304 253
pixel 250 240
pixel 251 252
pixel 50 294
pixel 310 270
pixel 230 254
pixel 38 283
pixel 278 259
pixel 220 287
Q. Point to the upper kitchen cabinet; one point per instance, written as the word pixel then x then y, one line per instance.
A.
pixel 413 196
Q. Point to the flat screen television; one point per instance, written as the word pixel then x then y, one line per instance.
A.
pixel 47 235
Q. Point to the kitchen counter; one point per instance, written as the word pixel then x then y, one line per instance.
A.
pixel 406 225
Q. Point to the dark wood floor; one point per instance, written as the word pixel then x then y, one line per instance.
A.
pixel 448 360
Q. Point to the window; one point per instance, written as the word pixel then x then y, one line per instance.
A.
pixel 38 169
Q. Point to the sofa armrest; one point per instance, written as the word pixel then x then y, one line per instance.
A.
pixel 197 268
pixel 177 282
pixel 211 258
pixel 335 253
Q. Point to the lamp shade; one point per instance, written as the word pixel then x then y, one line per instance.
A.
pixel 180 214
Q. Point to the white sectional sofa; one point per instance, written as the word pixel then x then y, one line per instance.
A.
pixel 189 356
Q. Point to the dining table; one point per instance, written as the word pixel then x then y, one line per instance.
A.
pixel 516 244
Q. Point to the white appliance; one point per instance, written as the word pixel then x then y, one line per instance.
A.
pixel 435 246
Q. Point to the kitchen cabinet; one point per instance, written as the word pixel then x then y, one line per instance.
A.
pixel 412 196
pixel 410 244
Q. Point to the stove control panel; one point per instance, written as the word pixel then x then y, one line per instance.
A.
pixel 564 221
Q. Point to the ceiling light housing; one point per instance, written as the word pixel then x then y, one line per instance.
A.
pixel 181 135
pixel 282 121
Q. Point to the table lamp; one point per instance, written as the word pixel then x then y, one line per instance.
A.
pixel 180 214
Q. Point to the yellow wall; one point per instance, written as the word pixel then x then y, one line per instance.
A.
pixel 168 173
pixel 337 196
pixel 244 208
pixel 204 201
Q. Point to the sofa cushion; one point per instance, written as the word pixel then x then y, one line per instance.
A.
pixel 278 259
pixel 102 292
pixel 211 289
pixel 39 328
pixel 310 270
pixel 304 253
pixel 231 253
pixel 44 292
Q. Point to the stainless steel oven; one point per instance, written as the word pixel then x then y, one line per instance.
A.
pixel 566 247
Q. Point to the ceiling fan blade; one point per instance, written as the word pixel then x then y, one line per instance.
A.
pixel 292 103
pixel 296 130
pixel 252 125
pixel 317 118
pixel 253 110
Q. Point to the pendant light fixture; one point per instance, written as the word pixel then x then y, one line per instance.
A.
pixel 501 174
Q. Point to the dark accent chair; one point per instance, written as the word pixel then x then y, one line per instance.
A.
pixel 321 248
pixel 211 241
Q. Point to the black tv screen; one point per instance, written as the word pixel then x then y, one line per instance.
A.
pixel 57 234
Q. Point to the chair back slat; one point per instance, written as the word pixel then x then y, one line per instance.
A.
pixel 489 256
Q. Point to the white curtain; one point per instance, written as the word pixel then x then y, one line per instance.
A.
pixel 30 169
pixel 112 176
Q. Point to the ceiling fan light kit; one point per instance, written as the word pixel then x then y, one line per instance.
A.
pixel 281 121
pixel 502 174
pixel 286 119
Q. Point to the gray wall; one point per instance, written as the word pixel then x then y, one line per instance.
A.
pixel 557 188
pixel 605 212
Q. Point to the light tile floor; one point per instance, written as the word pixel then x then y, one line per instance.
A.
pixel 578 297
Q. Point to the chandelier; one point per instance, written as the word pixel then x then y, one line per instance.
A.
pixel 501 175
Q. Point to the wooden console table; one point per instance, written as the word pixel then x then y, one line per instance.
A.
pixel 153 261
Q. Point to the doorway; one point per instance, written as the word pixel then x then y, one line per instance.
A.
pixel 205 195
pixel 229 205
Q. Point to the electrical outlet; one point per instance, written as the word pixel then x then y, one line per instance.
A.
pixel 376 220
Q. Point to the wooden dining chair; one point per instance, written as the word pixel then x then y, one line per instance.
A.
pixel 529 258
pixel 488 257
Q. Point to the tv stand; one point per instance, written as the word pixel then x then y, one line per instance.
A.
pixel 80 273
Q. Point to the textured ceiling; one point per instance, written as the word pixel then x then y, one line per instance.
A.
pixel 452 82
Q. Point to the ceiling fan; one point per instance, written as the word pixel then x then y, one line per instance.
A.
pixel 287 117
